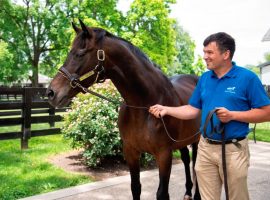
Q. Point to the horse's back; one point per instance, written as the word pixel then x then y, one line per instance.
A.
pixel 184 85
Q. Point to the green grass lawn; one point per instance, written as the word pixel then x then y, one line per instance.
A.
pixel 262 132
pixel 26 173
pixel 39 126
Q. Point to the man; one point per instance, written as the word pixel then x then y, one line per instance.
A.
pixel 240 98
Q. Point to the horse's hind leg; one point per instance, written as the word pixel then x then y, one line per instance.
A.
pixel 164 161
pixel 133 160
pixel 197 195
pixel 186 160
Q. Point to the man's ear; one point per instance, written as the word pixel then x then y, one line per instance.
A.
pixel 227 54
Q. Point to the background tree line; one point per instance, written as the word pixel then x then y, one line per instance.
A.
pixel 35 35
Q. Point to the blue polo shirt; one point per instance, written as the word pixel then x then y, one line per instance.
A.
pixel 238 90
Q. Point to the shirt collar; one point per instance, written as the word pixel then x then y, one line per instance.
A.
pixel 230 74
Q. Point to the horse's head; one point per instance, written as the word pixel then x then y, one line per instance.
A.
pixel 83 67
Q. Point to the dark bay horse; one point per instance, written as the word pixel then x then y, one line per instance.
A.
pixel 97 55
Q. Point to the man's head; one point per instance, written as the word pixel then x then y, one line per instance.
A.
pixel 218 51
pixel 223 40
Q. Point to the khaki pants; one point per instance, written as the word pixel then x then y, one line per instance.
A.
pixel 210 174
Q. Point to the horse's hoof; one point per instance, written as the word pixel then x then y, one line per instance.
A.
pixel 187 197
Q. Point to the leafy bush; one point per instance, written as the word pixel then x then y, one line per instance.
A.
pixel 91 123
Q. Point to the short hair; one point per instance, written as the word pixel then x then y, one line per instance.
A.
pixel 223 40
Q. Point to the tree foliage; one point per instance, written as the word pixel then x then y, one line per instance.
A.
pixel 198 67
pixel 34 30
pixel 6 60
pixel 185 59
pixel 150 28
pixel 38 34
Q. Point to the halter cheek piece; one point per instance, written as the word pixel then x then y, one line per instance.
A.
pixel 75 80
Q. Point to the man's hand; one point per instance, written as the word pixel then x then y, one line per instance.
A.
pixel 158 110
pixel 224 114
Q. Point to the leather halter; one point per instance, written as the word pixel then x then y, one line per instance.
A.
pixel 75 80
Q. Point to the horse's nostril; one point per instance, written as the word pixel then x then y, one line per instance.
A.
pixel 50 94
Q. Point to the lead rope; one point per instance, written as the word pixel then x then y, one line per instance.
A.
pixel 224 164
pixel 167 132
pixel 223 146
pixel 86 90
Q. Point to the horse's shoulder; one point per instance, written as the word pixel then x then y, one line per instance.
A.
pixel 184 85
pixel 184 78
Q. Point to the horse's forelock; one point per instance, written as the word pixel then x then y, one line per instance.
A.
pixel 79 41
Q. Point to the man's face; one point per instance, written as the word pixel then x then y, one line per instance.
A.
pixel 213 57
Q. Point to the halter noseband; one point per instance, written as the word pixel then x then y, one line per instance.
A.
pixel 75 80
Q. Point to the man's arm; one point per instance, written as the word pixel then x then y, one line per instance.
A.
pixel 182 112
pixel 255 115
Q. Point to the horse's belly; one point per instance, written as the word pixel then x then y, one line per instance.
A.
pixel 138 139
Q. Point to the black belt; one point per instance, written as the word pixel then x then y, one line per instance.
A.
pixel 235 140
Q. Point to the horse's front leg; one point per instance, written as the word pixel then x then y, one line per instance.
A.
pixel 133 160
pixel 186 160
pixel 164 161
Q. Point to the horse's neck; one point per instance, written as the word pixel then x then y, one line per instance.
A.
pixel 138 81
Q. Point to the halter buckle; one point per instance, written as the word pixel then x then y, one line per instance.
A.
pixel 73 83
pixel 100 55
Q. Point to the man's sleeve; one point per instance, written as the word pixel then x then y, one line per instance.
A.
pixel 257 96
pixel 195 99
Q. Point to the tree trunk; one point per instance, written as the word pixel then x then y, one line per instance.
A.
pixel 35 67
pixel 35 76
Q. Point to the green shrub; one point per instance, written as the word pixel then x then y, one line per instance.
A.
pixel 92 124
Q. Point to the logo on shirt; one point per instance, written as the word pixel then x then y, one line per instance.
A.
pixel 231 90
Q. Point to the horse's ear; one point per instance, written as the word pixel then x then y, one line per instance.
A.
pixel 76 29
pixel 84 28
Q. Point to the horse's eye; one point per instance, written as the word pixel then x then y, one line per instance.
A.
pixel 81 52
